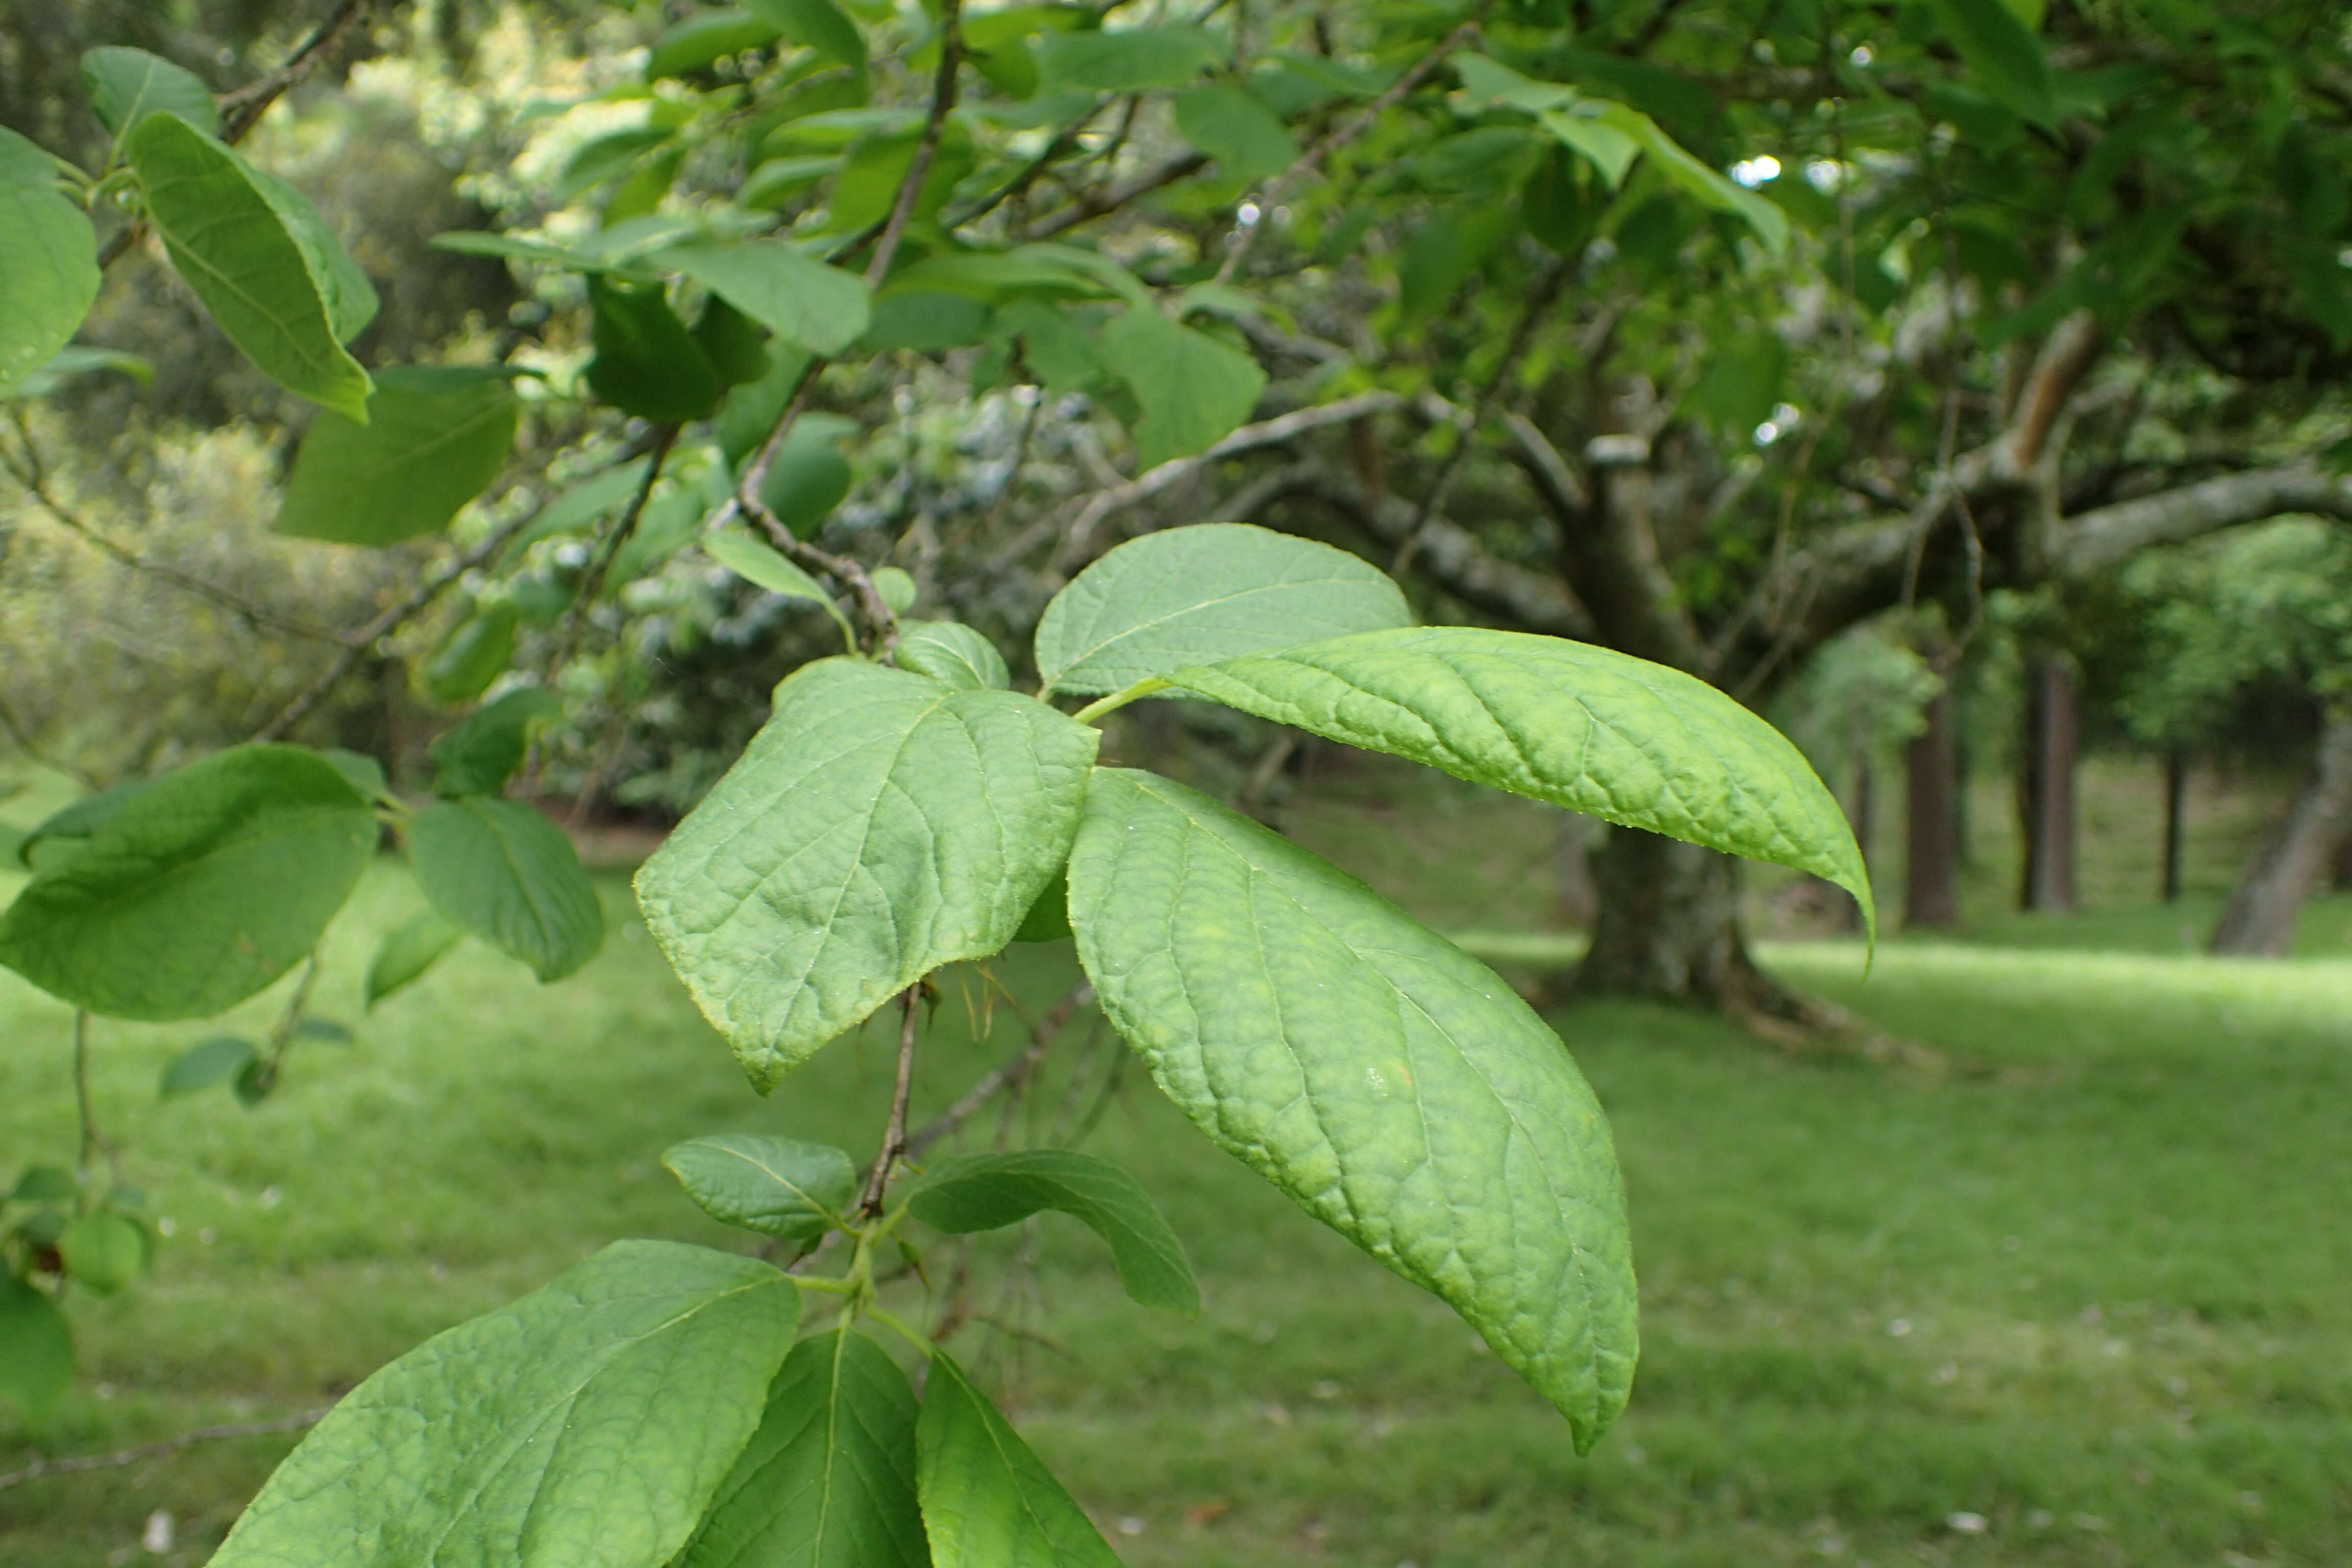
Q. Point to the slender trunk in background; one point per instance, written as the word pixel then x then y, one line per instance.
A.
pixel 2259 920
pixel 2342 880
pixel 2176 809
pixel 2045 787
pixel 1931 785
pixel 1579 897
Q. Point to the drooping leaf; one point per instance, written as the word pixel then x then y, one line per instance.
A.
pixel 989 1192
pixel 1131 60
pixel 2003 54
pixel 880 825
pixel 1597 731
pixel 895 587
pixel 200 890
pixel 48 263
pixel 951 652
pixel 777 1186
pixel 1190 595
pixel 818 25
pixel 501 871
pixel 483 751
pixel 37 1357
pixel 647 364
pixel 75 360
pixel 205 1064
pixel 475 652
pixel 1194 390
pixel 1709 186
pixel 1388 1083
pixel 586 1425
pixel 104 1252
pixel 1233 126
pixel 757 562
pixel 803 301
pixel 988 1500
pixel 407 951
pixel 704 40
pixel 435 437
pixel 267 269
pixel 828 1480
pixel 126 85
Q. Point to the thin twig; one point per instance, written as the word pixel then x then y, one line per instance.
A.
pixel 1007 1076
pixel 40 1467
pixel 943 102
pixel 93 1141
pixel 592 583
pixel 893 1136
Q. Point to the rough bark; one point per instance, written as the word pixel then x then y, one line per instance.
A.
pixel 1931 882
pixel 2259 920
pixel 2175 819
pixel 2045 787
pixel 1668 930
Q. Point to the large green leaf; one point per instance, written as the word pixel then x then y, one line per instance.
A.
pixel 1190 595
pixel 1131 60
pixel 647 364
pixel 36 1356
pixel 437 436
pixel 1597 731
pixel 881 825
pixel 502 871
pixel 49 262
pixel 482 751
pixel 1194 390
pixel 1233 126
pixel 777 1186
pixel 201 889
pixel 586 1425
pixel 1391 1085
pixel 127 85
pixel 988 1500
pixel 949 651
pixel 407 951
pixel 258 257
pixel 2002 52
pixel 828 1480
pixel 989 1192
pixel 803 301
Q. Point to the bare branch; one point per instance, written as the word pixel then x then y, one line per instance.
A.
pixel 1007 1076
pixel 894 1135
pixel 1093 204
pixel 2100 538
pixel 943 102
pixel 592 582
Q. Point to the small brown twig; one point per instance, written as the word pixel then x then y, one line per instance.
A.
pixel 1007 1076
pixel 893 1136
pixel 93 1141
pixel 76 1466
pixel 592 582
pixel 943 102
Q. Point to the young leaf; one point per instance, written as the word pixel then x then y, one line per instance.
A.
pixel 1388 1084
pixel 803 301
pixel 501 871
pixel 809 477
pixel 756 563
pixel 896 587
pixel 1187 595
pixel 48 263
pixel 647 362
pixel 989 1192
pixel 127 85
pixel 1131 59
pixel 1194 390
pixel 207 1063
pixel 483 751
pixel 586 1425
pixel 828 1480
pixel 1597 731
pixel 777 1186
pixel 37 1357
pixel 435 437
pixel 104 1253
pixel 818 25
pixel 407 951
pixel 1233 126
pixel 988 1501
pixel 880 825
pixel 951 652
pixel 258 257
pixel 200 890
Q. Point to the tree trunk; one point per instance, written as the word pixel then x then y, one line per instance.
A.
pixel 1580 898
pixel 2342 881
pixel 1668 930
pixel 1931 770
pixel 2045 787
pixel 2259 918
pixel 2176 813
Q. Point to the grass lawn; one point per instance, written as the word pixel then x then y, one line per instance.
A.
pixel 2091 1305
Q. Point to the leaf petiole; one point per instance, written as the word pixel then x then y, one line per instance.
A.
pixel 1117 700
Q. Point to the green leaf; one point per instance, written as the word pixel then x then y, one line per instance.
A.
pixel 647 362
pixel 475 652
pixel 803 301
pixel 989 1192
pixel 324 1029
pixel 1708 186
pixel 1132 60
pixel 828 1480
pixel 46 1184
pixel 818 25
pixel 2002 52
pixel 895 587
pixel 104 1253
pixel 68 829
pixel 1388 1083
pixel 988 1501
pixel 1600 144
pixel 73 361
pixel 127 85
pixel 435 437
pixel 704 40
pixel 1209 591
pixel 1618 738
pixel 200 890
pixel 1233 126
pixel 777 1186
pixel 257 256
pixel 880 825
pixel 1048 919
pixel 586 1425
pixel 206 1064
pixel 953 653
pixel 48 264
pixel 501 871
pixel 1194 390
pixel 37 1357
pixel 757 562
pixel 732 341
pixel 362 772
pixel 407 951
pixel 483 751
